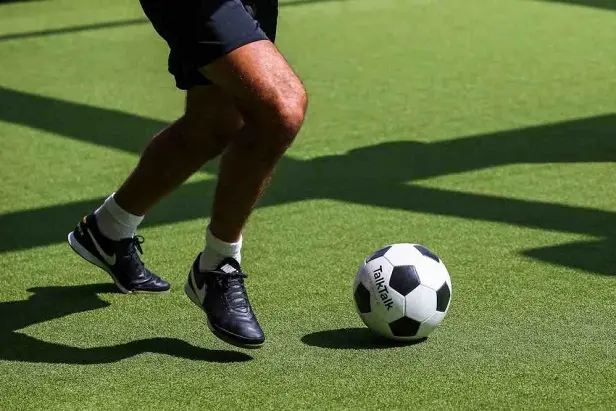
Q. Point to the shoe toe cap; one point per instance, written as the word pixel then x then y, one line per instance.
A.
pixel 247 331
pixel 153 284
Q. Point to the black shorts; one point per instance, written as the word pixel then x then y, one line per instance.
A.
pixel 200 31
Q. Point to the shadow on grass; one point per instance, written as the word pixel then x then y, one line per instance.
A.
pixel 593 256
pixel 353 339
pixel 381 175
pixel 17 1
pixel 49 303
pixel 73 29
pixel 113 24
pixel 600 4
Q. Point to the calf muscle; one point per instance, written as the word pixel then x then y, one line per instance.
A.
pixel 181 149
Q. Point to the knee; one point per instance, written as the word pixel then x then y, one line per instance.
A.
pixel 291 112
pixel 282 117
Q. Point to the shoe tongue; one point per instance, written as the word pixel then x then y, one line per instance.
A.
pixel 229 265
pixel 238 299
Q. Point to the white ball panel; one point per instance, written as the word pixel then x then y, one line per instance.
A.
pixel 430 324
pixel 403 254
pixel 376 324
pixel 431 273
pixel 388 305
pixel 375 270
pixel 420 304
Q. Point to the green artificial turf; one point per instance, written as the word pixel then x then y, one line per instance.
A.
pixel 483 129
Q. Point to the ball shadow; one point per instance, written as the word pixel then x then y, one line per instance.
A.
pixel 353 339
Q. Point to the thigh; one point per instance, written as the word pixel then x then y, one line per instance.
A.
pixel 200 31
pixel 258 78
pixel 211 112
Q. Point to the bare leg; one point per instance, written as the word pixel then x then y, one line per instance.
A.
pixel 106 237
pixel 272 102
pixel 181 149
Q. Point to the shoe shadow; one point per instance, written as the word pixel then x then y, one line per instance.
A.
pixel 49 303
pixel 353 339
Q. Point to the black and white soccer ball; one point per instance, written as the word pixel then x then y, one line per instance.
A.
pixel 402 291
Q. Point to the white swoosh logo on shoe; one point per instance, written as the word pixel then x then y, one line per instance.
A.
pixel 109 259
pixel 199 291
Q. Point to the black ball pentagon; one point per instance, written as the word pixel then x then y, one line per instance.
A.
pixel 427 253
pixel 404 279
pixel 362 299
pixel 443 295
pixel 404 327
pixel 378 254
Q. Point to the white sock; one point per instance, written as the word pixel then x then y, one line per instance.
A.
pixel 217 250
pixel 114 222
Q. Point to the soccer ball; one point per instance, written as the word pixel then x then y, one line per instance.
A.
pixel 402 291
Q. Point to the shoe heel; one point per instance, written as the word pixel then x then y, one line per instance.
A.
pixel 89 257
pixel 84 253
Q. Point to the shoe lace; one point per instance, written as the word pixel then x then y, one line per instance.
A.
pixel 134 247
pixel 234 289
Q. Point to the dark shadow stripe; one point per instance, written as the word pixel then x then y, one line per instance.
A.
pixel 599 4
pixel 113 24
pixel 74 29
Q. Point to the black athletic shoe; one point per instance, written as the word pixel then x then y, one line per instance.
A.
pixel 222 295
pixel 118 258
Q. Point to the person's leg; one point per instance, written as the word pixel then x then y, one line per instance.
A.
pixel 106 237
pixel 181 149
pixel 272 101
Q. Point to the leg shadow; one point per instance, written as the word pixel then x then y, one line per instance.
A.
pixel 49 303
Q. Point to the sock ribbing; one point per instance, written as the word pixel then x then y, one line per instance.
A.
pixel 114 222
pixel 217 250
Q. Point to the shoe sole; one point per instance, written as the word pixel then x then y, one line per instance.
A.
pixel 91 258
pixel 224 337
